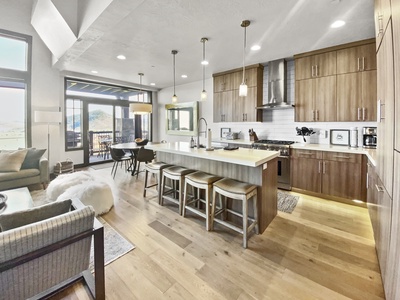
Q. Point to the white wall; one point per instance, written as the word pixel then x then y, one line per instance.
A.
pixel 15 15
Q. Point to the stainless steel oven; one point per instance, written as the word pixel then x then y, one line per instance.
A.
pixel 283 159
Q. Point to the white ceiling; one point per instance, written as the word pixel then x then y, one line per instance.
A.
pixel 146 31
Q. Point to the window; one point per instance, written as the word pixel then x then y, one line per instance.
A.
pixel 15 78
pixel 74 113
pixel 101 111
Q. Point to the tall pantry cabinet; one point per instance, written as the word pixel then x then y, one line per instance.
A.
pixel 386 218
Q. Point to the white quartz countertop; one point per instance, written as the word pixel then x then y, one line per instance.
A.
pixel 370 153
pixel 241 156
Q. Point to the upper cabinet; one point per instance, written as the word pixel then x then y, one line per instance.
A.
pixel 336 84
pixel 356 59
pixel 228 106
pixel 317 65
pixel 382 15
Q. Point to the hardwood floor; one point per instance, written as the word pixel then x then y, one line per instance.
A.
pixel 323 250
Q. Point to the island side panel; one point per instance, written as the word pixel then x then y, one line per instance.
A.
pixel 265 178
pixel 269 187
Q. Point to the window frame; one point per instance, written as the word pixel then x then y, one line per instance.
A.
pixel 22 77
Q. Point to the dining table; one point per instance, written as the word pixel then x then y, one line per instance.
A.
pixel 134 149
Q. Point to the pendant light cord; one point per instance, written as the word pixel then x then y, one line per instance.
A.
pixel 204 66
pixel 174 73
pixel 244 49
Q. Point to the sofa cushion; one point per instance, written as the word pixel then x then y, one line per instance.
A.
pixel 12 161
pixel 5 176
pixel 32 215
pixel 32 158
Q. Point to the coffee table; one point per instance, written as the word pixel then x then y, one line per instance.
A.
pixel 17 199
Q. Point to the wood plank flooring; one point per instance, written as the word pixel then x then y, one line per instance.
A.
pixel 323 250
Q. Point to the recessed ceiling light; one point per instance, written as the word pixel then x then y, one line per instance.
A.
pixel 337 24
pixel 184 76
pixel 255 47
pixel 121 57
pixel 94 72
pixel 204 62
pixel 152 83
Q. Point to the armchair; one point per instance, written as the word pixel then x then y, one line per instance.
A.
pixel 40 259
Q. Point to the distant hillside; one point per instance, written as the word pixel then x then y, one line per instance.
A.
pixel 98 121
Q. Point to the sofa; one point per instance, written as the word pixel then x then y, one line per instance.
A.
pixel 23 167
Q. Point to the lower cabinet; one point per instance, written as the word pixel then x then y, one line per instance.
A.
pixel 333 174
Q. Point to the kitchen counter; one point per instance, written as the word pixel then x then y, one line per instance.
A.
pixel 258 167
pixel 370 153
pixel 241 156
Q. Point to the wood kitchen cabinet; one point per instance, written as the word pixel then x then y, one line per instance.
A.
pixel 386 121
pixel 306 170
pixel 223 111
pixel 223 83
pixel 228 106
pixel 381 16
pixel 317 65
pixel 356 96
pixel 356 59
pixel 333 174
pixel 316 99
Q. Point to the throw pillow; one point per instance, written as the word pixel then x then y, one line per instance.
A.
pixel 32 158
pixel 32 215
pixel 12 161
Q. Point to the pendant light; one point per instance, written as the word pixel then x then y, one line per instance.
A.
pixel 141 108
pixel 174 97
pixel 204 62
pixel 243 86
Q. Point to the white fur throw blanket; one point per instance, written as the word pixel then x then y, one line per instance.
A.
pixel 92 189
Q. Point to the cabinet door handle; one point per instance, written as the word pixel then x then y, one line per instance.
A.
pixel 305 153
pixel 379 117
pixel 358 64
pixel 319 167
pixel 379 188
pixel 317 115
pixel 323 167
pixel 312 71
pixel 363 113
pixel 341 156
pixel 358 114
pixel 313 115
pixel 363 63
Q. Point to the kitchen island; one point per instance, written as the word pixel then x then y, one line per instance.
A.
pixel 254 166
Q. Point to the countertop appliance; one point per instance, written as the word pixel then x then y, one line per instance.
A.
pixel 369 137
pixel 283 159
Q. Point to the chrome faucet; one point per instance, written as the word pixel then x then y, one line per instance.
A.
pixel 200 132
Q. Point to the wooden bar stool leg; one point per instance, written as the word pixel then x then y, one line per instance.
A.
pixel 162 190
pixel 185 196
pixel 214 195
pixel 181 187
pixel 245 221
pixel 208 203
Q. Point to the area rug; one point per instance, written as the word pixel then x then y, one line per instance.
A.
pixel 287 202
pixel 115 245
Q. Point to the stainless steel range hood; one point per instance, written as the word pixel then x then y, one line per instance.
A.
pixel 276 86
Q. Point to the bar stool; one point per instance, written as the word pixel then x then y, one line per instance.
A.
pixel 236 190
pixel 155 168
pixel 177 175
pixel 200 181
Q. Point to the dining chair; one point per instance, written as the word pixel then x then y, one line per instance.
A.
pixel 144 155
pixel 119 156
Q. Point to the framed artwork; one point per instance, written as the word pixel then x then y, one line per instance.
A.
pixel 340 137
pixel 224 132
